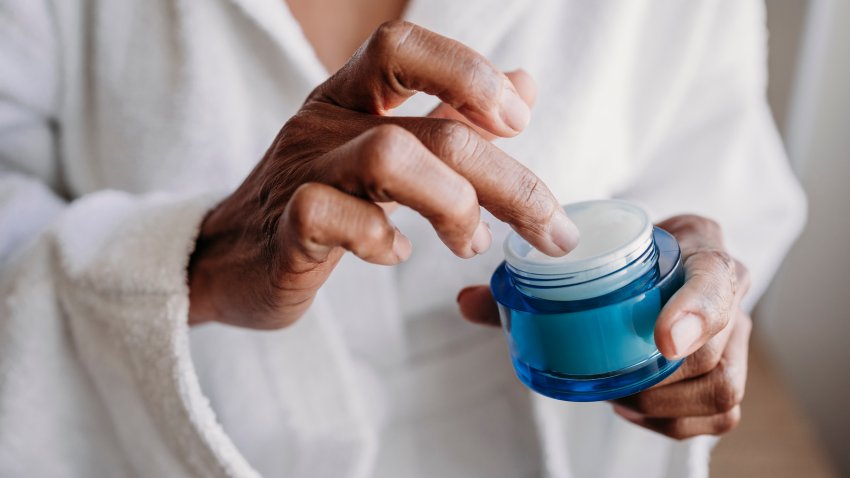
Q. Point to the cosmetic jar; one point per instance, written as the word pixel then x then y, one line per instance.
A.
pixel 581 327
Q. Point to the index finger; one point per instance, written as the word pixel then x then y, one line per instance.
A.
pixel 401 58
pixel 522 81
pixel 506 188
pixel 704 304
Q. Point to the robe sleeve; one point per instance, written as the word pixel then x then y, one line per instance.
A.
pixel 95 371
pixel 718 153
pixel 96 374
pixel 28 99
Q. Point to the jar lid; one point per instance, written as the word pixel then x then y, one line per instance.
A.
pixel 614 233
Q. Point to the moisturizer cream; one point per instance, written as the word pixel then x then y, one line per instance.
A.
pixel 580 327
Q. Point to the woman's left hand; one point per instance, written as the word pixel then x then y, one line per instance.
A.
pixel 703 321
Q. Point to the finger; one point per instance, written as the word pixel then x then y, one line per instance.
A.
pixel 708 356
pixel 400 59
pixel 704 304
pixel 715 392
pixel 319 219
pixel 504 186
pixel 524 85
pixel 478 306
pixel 318 224
pixel 683 428
pixel 702 361
pixel 388 163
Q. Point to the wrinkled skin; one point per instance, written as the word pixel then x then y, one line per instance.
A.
pixel 704 395
pixel 266 249
pixel 342 162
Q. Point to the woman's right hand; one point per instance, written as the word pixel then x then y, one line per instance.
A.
pixel 263 252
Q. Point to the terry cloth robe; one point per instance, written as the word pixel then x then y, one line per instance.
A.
pixel 123 122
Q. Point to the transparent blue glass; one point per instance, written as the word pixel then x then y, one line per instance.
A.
pixel 592 347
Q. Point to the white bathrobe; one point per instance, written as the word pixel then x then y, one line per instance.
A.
pixel 123 122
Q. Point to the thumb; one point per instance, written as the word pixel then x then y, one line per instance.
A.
pixel 478 306
pixel 522 81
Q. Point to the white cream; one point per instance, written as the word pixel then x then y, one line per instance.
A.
pixel 614 234
pixel 605 228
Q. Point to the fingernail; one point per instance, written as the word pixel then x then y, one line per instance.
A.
pixel 402 246
pixel 563 231
pixel 685 333
pixel 513 110
pixel 481 238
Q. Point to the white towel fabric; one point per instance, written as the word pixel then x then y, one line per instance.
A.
pixel 121 124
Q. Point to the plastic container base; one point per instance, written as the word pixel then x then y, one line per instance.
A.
pixel 591 388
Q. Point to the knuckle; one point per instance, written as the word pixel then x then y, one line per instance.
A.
pixel 528 191
pixel 467 199
pixel 674 428
pixel 481 74
pixel 461 219
pixel 715 270
pixel 531 203
pixel 709 225
pixel 692 224
pixel 306 209
pixel 725 392
pixel 384 149
pixel 390 35
pixel 464 207
pixel 678 432
pixel 728 421
pixel 698 225
pixel 386 137
pixel 456 141
pixel 376 231
pixel 744 279
pixel 716 260
pixel 705 360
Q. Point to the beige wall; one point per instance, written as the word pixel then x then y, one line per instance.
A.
pixel 805 317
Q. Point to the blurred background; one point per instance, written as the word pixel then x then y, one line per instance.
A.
pixel 797 409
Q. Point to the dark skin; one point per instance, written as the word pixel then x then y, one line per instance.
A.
pixel 704 395
pixel 265 250
pixel 337 167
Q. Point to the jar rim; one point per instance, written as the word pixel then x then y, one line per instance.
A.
pixel 614 233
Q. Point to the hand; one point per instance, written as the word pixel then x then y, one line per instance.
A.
pixel 702 321
pixel 265 250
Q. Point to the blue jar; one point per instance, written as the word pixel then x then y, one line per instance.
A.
pixel 581 327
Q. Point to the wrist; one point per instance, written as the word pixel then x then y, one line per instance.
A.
pixel 208 265
pixel 200 279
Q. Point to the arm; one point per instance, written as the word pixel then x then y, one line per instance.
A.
pixel 110 270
